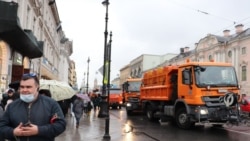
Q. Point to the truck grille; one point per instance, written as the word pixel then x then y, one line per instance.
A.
pixel 114 99
pixel 213 101
pixel 133 99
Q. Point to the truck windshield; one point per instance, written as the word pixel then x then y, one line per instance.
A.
pixel 117 91
pixel 215 76
pixel 134 86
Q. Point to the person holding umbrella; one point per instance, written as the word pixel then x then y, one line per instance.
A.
pixel 86 101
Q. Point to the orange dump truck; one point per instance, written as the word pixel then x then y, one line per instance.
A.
pixel 193 92
pixel 115 98
pixel 131 94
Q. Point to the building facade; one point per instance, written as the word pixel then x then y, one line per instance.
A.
pixel 139 65
pixel 72 77
pixel 231 48
pixel 34 42
pixel 124 74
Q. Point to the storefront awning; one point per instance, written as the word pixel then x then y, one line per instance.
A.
pixel 23 41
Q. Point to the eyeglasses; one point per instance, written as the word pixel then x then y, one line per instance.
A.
pixel 29 75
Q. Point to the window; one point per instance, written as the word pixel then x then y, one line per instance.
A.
pixel 210 57
pixel 186 76
pixel 243 50
pixel 139 72
pixel 229 54
pixel 17 59
pixel 27 17
pixel 244 73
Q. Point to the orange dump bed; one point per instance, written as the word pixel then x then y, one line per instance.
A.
pixel 156 83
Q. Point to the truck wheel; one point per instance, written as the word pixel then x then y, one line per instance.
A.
pixel 129 112
pixel 149 113
pixel 182 119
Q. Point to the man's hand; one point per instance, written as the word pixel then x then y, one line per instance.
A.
pixel 30 130
pixel 27 130
pixel 18 130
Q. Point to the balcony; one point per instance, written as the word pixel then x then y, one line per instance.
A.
pixel 22 41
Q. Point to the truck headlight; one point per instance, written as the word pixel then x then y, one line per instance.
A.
pixel 128 104
pixel 203 111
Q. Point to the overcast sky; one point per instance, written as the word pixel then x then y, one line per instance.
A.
pixel 143 27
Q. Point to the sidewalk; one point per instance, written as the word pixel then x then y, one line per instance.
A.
pixel 92 128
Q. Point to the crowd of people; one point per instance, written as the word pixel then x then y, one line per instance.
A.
pixel 27 100
pixel 84 103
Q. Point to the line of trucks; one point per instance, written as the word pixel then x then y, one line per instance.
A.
pixel 187 94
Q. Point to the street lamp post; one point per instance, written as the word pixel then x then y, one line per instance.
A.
pixel 102 111
pixel 106 135
pixel 87 86
pixel 105 76
pixel 84 85
pixel 105 3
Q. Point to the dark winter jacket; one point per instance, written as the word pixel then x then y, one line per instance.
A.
pixel 41 114
pixel 1 134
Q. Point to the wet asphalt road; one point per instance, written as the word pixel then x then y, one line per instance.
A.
pixel 138 128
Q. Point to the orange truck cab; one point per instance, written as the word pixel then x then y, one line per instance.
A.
pixel 115 98
pixel 190 93
pixel 131 94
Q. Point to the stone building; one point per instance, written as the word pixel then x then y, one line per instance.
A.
pixel 32 40
pixel 231 48
pixel 139 65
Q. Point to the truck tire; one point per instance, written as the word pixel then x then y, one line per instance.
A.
pixel 182 119
pixel 150 113
pixel 129 112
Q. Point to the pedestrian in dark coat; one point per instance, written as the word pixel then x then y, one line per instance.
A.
pixel 1 114
pixel 33 117
pixel 78 107
pixel 11 97
pixel 65 105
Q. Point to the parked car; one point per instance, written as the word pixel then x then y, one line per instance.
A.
pixel 115 98
pixel 245 105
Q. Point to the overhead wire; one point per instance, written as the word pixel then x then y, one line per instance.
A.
pixel 204 12
pixel 233 22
